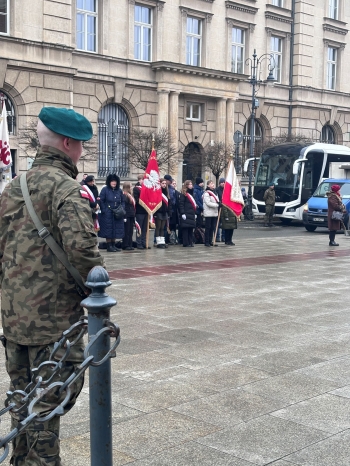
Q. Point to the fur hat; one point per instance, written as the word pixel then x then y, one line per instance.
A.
pixel 199 180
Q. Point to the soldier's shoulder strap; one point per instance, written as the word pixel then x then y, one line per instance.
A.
pixel 44 234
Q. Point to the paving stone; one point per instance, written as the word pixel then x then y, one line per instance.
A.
pixel 228 408
pixel 335 370
pixel 138 346
pixel 291 387
pixel 263 440
pixel 159 395
pixel 280 361
pixel 333 451
pixel 192 454
pixel 183 335
pixel 325 412
pixel 152 433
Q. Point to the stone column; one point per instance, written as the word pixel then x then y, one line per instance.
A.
pixel 163 108
pixel 220 120
pixel 230 121
pixel 174 124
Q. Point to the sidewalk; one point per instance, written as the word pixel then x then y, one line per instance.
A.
pixel 234 356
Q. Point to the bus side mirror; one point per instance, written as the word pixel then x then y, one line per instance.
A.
pixel 296 166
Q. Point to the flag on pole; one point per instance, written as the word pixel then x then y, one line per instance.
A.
pixel 151 193
pixel 5 153
pixel 232 195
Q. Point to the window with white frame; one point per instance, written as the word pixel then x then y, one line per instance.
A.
pixel 193 111
pixel 276 52
pixel 87 25
pixel 278 3
pixel 333 9
pixel 193 41
pixel 143 33
pixel 4 16
pixel 238 44
pixel 331 68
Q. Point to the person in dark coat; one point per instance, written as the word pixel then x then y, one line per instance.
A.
pixel 130 209
pixel 229 223
pixel 198 191
pixel 162 215
pixel 334 204
pixel 187 210
pixel 174 219
pixel 219 191
pixel 111 197
pixel 89 181
pixel 141 215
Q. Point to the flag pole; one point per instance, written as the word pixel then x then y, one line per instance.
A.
pixel 217 226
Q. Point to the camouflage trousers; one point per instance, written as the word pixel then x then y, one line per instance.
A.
pixel 39 444
pixel 270 210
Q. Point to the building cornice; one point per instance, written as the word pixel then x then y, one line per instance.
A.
pixel 277 17
pixel 334 29
pixel 197 70
pixel 230 5
pixel 185 11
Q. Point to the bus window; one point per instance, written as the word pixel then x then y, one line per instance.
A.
pixel 312 173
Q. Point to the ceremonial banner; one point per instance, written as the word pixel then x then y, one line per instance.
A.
pixel 151 193
pixel 232 194
pixel 5 153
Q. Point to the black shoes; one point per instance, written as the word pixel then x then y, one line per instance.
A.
pixel 333 243
pixel 230 243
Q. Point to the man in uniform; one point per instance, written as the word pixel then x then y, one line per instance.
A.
pixel 270 199
pixel 39 297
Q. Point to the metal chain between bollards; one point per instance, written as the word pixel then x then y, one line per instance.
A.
pixel 97 355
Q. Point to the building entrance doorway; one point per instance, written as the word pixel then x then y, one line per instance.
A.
pixel 192 162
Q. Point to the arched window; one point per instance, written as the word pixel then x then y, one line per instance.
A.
pixel 113 130
pixel 10 109
pixel 327 135
pixel 258 137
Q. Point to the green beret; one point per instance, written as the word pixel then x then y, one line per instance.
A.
pixel 67 122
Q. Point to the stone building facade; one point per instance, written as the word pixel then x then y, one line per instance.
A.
pixel 176 64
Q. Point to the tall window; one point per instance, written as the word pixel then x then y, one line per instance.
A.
pixel 276 51
pixel 87 25
pixel 327 135
pixel 331 68
pixel 333 9
pixel 277 3
pixel 4 16
pixel 238 39
pixel 143 33
pixel 258 138
pixel 113 129
pixel 193 41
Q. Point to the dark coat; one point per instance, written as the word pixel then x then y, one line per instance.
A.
pixel 174 219
pixel 219 191
pixel 228 219
pixel 164 209
pixel 198 197
pixel 111 197
pixel 129 207
pixel 186 208
pixel 139 208
pixel 334 203
pixel 94 191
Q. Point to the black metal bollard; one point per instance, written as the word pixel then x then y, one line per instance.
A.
pixel 98 305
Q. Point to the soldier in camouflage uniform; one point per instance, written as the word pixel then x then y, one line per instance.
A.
pixel 39 297
pixel 270 200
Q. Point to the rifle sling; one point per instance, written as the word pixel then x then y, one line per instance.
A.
pixel 44 233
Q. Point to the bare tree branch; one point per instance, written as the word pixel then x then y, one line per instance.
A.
pixel 139 146
pixel 217 158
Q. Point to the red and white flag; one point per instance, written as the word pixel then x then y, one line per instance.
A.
pixel 232 195
pixel 86 192
pixel 5 153
pixel 151 193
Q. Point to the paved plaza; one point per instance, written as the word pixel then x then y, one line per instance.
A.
pixel 230 356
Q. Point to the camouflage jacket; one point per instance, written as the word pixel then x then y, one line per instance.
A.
pixel 39 298
pixel 270 197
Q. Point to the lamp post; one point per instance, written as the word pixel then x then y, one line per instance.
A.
pixel 255 81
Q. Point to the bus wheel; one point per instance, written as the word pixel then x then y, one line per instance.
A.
pixel 310 227
pixel 286 221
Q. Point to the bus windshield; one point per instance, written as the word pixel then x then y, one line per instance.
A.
pixel 277 169
pixel 326 187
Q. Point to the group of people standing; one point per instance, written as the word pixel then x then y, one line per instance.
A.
pixel 182 215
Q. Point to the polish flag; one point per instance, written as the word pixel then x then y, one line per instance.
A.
pixel 5 153
pixel 151 193
pixel 232 195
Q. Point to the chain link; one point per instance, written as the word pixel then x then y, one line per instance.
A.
pixel 24 403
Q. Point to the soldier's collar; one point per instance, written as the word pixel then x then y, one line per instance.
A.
pixel 48 155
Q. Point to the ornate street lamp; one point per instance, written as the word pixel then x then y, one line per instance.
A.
pixel 255 81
